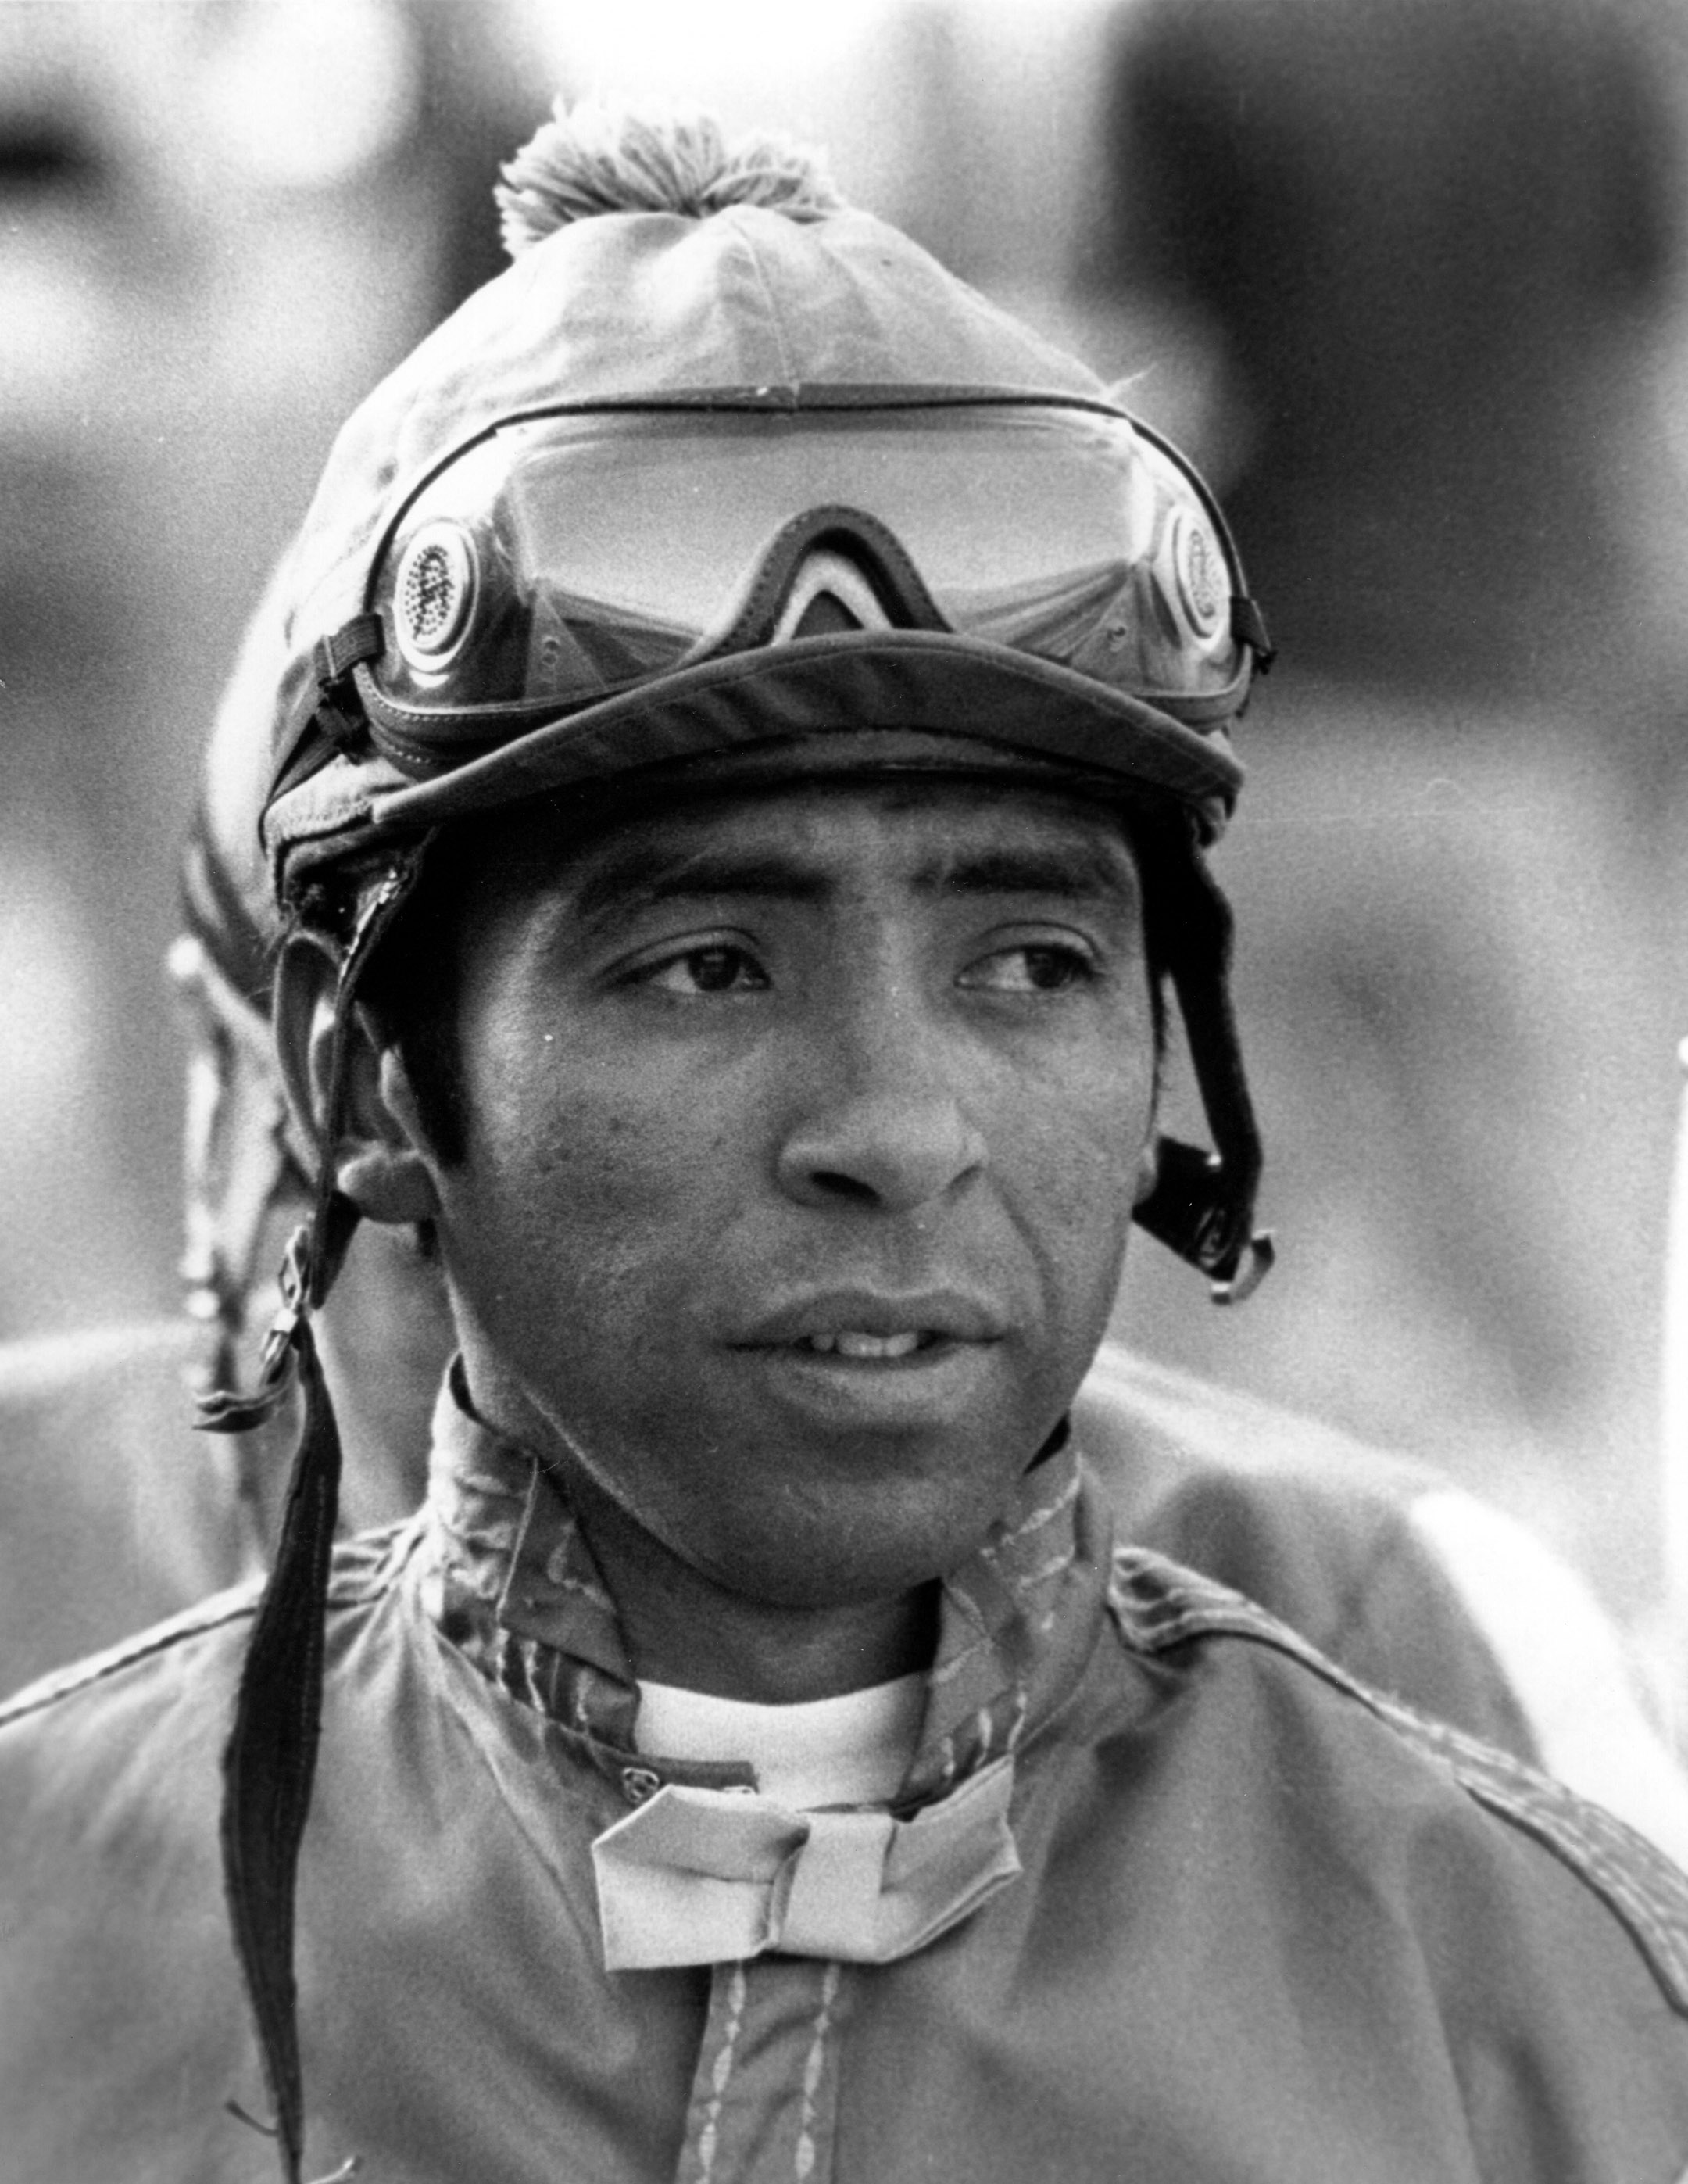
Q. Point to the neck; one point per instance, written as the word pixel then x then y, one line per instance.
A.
pixel 385 1333
pixel 680 1627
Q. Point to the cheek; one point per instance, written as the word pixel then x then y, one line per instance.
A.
pixel 1087 1188
pixel 1080 1167
pixel 1088 1119
pixel 604 1183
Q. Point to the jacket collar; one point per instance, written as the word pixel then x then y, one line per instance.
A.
pixel 516 1589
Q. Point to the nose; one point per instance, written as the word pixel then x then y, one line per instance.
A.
pixel 885 1127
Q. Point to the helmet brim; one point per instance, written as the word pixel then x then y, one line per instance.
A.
pixel 815 687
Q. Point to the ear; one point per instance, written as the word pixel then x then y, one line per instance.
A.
pixel 378 1153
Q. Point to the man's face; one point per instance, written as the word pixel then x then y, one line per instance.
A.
pixel 803 1135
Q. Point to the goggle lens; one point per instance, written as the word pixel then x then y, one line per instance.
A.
pixel 567 557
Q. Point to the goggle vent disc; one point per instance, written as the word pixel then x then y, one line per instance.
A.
pixel 1203 587
pixel 433 595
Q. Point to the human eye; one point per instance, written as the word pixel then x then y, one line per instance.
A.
pixel 715 968
pixel 1033 966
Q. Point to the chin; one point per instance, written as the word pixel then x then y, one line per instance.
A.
pixel 850 1560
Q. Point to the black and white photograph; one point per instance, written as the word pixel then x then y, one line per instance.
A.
pixel 844 1092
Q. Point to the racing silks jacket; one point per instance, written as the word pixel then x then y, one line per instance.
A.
pixel 1165 1895
pixel 114 1514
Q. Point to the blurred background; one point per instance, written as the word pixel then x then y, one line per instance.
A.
pixel 1406 277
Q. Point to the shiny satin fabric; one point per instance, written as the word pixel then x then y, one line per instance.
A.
pixel 1256 1934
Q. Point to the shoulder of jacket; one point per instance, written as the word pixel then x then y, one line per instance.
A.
pixel 1157 1605
pixel 363 1569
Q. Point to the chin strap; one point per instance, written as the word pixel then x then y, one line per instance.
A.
pixel 269 1759
pixel 1196 1210
pixel 1202 1205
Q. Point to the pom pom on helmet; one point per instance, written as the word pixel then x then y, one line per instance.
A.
pixel 590 160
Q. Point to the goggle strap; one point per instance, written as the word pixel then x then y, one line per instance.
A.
pixel 1248 627
pixel 330 716
pixel 339 712
pixel 334 657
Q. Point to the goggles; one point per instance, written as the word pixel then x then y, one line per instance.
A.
pixel 566 559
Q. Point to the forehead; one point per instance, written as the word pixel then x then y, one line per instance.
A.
pixel 812 841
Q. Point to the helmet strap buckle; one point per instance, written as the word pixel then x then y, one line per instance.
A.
pixel 339 708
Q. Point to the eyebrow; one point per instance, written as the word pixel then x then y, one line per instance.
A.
pixel 626 882
pixel 1080 874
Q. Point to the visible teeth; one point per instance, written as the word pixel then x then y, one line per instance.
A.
pixel 850 1343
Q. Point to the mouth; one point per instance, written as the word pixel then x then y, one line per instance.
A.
pixel 878 1361
pixel 863 1327
pixel 855 1342
pixel 881 1359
